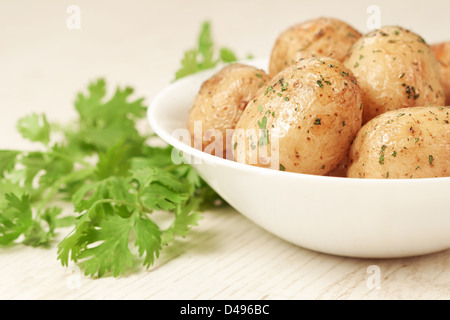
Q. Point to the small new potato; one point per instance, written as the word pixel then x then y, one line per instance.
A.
pixel 318 37
pixel 219 105
pixel 442 53
pixel 395 69
pixel 405 143
pixel 303 120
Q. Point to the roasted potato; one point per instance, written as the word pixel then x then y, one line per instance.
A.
pixel 318 37
pixel 341 169
pixel 304 119
pixel 395 69
pixel 405 143
pixel 442 53
pixel 219 105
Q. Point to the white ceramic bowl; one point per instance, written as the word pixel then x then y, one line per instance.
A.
pixel 349 217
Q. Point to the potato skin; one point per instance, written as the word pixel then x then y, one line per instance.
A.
pixel 442 53
pixel 313 110
pixel 221 101
pixel 395 69
pixel 405 143
pixel 341 169
pixel 318 37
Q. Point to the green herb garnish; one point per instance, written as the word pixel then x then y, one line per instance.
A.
pixel 263 123
pixel 268 90
pixel 383 147
pixel 203 56
pixel 103 166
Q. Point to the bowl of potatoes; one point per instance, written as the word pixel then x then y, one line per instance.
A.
pixel 339 142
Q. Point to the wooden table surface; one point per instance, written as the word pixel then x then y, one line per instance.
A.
pixel 43 63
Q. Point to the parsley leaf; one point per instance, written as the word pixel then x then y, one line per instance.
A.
pixel 227 56
pixel 148 239
pixel 15 219
pixel 112 254
pixel 35 128
pixel 185 218
pixel 103 122
pixel 7 160
pixel 202 57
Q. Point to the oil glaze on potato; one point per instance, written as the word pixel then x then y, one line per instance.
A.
pixel 318 37
pixel 442 53
pixel 311 111
pixel 220 103
pixel 405 143
pixel 395 69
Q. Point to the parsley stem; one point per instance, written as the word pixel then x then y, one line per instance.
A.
pixel 170 167
pixel 125 203
pixel 68 158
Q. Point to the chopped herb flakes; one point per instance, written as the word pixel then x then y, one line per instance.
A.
pixel 264 139
pixel 263 123
pixel 411 92
pixel 383 147
pixel 319 82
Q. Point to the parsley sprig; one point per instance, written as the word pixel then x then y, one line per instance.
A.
pixel 203 56
pixel 116 182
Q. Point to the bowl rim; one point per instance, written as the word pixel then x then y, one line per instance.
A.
pixel 158 101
